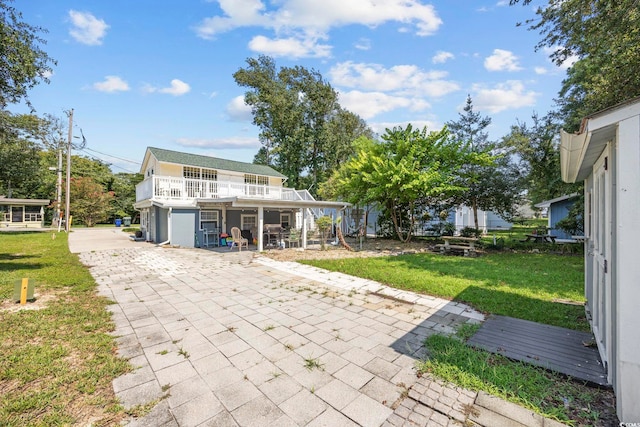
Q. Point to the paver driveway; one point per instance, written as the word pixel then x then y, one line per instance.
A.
pixel 239 339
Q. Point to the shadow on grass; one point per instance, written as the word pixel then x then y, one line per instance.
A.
pixel 13 257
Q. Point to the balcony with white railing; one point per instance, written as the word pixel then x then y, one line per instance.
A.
pixel 176 188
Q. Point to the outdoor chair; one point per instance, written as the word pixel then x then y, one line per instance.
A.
pixel 294 238
pixel 238 240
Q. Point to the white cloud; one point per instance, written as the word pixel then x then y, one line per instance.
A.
pixel 502 60
pixel 87 29
pixel 315 17
pixel 177 88
pixel 290 47
pixel 238 111
pixel 441 57
pixel 568 63
pixel 111 84
pixel 540 70
pixel 403 79
pixel 363 44
pixel 509 95
pixel 234 142
pixel 502 3
pixel 370 104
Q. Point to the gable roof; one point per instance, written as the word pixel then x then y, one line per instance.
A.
pixel 209 162
pixel 547 203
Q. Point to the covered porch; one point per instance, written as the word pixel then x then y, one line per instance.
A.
pixel 266 223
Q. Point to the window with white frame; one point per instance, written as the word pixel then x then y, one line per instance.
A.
pixel 285 220
pixel 249 222
pixel 190 172
pixel 209 174
pixel 258 184
pixel 208 220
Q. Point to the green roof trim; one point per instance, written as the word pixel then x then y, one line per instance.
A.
pixel 209 162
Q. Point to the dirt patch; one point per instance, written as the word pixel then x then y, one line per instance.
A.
pixel 41 300
pixel 370 248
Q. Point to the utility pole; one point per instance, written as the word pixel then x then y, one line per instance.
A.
pixel 68 189
pixel 59 185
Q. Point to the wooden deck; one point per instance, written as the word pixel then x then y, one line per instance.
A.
pixel 558 349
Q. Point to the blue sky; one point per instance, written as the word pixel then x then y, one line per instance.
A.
pixel 159 73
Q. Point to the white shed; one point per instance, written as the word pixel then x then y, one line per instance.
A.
pixel 605 154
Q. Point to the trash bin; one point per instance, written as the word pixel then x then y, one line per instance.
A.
pixel 126 221
pixel 118 222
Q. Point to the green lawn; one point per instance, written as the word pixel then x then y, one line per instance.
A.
pixel 547 393
pixel 523 285
pixel 57 363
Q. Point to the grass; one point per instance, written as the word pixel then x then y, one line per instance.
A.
pixel 57 363
pixel 522 285
pixel 535 388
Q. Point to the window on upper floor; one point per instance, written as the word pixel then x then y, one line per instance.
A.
pixel 256 179
pixel 205 174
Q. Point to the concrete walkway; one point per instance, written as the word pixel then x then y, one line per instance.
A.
pixel 237 339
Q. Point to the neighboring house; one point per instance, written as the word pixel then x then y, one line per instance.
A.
pixel 184 194
pixel 487 220
pixel 606 156
pixel 557 209
pixel 22 212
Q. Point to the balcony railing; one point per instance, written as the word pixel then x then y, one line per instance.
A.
pixel 176 188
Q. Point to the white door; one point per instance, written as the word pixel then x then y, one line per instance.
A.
pixel 601 250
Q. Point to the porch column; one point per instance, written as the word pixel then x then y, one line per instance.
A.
pixel 260 228
pixel 224 219
pixel 304 228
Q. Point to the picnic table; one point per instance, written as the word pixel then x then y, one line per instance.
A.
pixel 540 238
pixel 465 244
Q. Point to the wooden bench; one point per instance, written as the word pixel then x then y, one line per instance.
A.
pixel 465 244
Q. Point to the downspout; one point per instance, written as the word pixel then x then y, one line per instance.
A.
pixel 168 229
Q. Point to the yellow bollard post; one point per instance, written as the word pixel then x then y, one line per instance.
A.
pixel 23 291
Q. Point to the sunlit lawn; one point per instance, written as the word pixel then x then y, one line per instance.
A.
pixel 57 363
pixel 523 285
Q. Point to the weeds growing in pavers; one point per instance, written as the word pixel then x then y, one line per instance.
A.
pixel 163 352
pixel 56 363
pixel 184 353
pixel 269 328
pixel 525 286
pixel 547 393
pixel 310 363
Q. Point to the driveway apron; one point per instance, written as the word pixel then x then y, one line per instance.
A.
pixel 238 339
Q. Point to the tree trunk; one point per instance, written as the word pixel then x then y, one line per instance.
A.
pixel 341 239
pixel 394 219
pixel 475 212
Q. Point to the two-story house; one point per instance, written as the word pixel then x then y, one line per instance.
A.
pixel 184 197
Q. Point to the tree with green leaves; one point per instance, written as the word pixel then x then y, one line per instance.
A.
pixel 23 63
pixel 297 112
pixel 537 149
pixel 402 174
pixel 123 186
pixel 604 37
pixel 495 186
pixel 20 137
pixel 90 203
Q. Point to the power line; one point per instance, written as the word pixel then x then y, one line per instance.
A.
pixel 115 157
pixel 93 156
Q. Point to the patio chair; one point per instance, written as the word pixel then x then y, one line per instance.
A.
pixel 238 240
pixel 294 238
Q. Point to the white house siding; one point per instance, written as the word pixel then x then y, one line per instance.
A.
pixel 627 269
pixel 617 132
